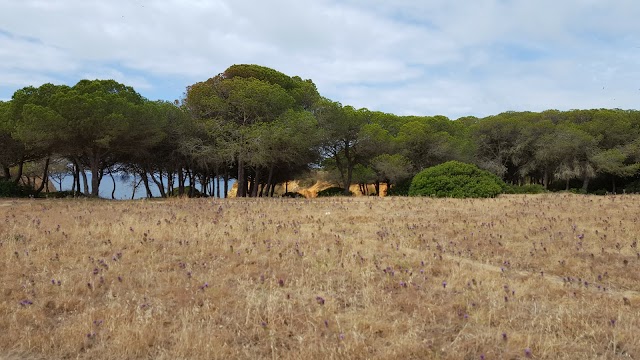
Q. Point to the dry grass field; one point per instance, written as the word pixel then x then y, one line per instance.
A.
pixel 543 277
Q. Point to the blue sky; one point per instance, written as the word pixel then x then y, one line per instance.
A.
pixel 453 58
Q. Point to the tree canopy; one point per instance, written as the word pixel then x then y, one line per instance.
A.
pixel 261 127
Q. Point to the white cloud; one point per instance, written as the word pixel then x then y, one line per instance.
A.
pixel 403 56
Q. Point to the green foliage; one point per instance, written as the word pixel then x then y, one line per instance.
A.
pixel 400 189
pixel 187 191
pixel 333 191
pixel 525 189
pixel 633 187
pixel 363 175
pixel 578 191
pixel 456 179
pixel 392 168
pixel 263 124
pixel 261 73
pixel 600 192
pixel 63 194
pixel 11 189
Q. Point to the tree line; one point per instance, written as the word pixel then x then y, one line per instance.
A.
pixel 261 127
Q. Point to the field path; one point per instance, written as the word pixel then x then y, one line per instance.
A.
pixel 554 279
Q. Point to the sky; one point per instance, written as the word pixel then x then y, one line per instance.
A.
pixel 420 57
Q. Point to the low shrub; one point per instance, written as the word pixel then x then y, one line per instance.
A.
pixel 400 189
pixel 11 189
pixel 632 187
pixel 187 190
pixel 333 191
pixel 525 189
pixel 458 180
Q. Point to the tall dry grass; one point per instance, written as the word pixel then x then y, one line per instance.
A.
pixel 545 277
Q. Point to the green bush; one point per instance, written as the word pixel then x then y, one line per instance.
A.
pixel 400 189
pixel 63 194
pixel 525 189
pixel 633 187
pixel 457 180
pixel 11 189
pixel 333 191
pixel 579 191
pixel 187 189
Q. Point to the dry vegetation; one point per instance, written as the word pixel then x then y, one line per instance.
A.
pixel 546 277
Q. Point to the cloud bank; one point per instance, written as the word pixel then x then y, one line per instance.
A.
pixel 405 57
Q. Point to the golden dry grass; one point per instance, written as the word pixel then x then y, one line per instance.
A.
pixel 545 276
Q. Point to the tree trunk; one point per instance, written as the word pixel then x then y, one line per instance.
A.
pixel 204 182
pixel 101 175
pixel 545 179
pixel 159 184
pixel 145 181
pixel 180 182
pixel 113 192
pixel 192 183
pixel 251 185
pixel 273 189
pixel 343 176
pixel 377 187
pixel 45 177
pixel 613 184
pixel 170 182
pixel 270 179
pixel 95 176
pixel 7 172
pixel 242 192
pixel 347 182
pixel 85 182
pixel 226 183
pixel 255 183
pixel 135 187
pixel 585 184
pixel 217 185
pixel 567 185
pixel 246 184
pixel 75 189
pixel 20 169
